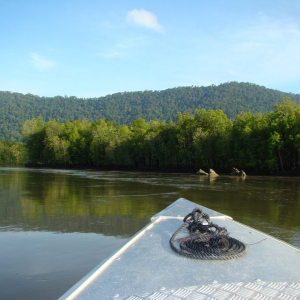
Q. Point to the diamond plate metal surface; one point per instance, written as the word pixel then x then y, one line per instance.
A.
pixel 258 290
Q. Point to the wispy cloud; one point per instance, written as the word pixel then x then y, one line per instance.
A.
pixel 125 47
pixel 233 72
pixel 265 52
pixel 111 54
pixel 271 46
pixel 144 18
pixel 40 62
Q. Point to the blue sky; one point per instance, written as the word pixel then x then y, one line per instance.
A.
pixel 93 48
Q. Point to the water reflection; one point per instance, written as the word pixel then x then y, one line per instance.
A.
pixel 98 211
pixel 121 203
pixel 42 265
pixel 72 202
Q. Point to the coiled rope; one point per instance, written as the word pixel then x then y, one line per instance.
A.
pixel 207 241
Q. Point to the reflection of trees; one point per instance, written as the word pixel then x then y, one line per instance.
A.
pixel 270 205
pixel 68 203
pixel 62 202
pixel 10 179
pixel 57 193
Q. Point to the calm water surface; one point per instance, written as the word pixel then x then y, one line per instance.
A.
pixel 57 225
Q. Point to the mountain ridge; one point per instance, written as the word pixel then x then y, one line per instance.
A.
pixel 125 107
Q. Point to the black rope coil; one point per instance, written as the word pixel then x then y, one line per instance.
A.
pixel 207 241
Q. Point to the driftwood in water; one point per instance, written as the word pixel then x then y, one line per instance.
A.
pixel 201 172
pixel 236 172
pixel 212 173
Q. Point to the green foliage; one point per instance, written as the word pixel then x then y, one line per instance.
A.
pixel 249 135
pixel 206 139
pixel 124 108
pixel 33 134
pixel 13 152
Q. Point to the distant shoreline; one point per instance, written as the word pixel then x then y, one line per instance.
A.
pixel 290 173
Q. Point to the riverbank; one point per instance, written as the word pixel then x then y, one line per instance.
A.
pixel 288 173
pixel 12 164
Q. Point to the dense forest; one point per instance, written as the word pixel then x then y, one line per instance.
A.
pixel 13 152
pixel 124 108
pixel 267 142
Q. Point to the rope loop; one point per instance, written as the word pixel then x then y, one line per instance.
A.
pixel 207 240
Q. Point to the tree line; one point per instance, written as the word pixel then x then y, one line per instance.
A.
pixel 13 153
pixel 205 139
pixel 124 108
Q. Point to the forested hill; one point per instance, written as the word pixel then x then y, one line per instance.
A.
pixel 123 108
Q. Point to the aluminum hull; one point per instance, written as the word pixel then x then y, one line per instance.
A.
pixel 147 268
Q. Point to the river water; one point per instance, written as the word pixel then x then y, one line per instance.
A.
pixel 57 225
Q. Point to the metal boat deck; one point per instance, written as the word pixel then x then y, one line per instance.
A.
pixel 147 268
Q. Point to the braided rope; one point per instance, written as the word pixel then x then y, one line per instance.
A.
pixel 208 240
